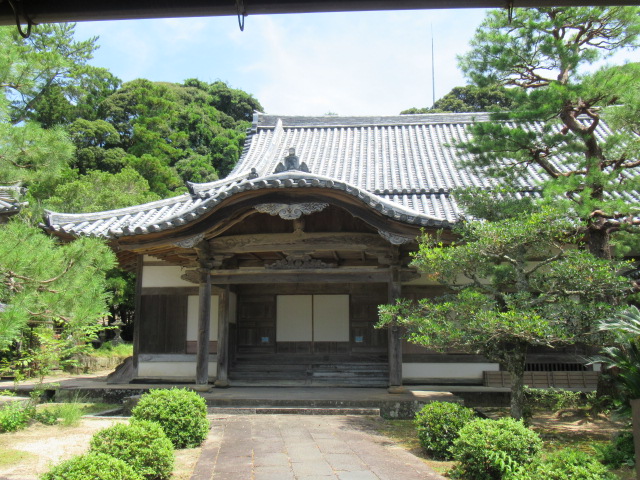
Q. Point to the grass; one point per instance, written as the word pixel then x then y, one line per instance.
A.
pixel 107 349
pixel 10 456
pixel 70 413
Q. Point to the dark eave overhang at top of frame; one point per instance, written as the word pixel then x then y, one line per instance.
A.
pixel 47 11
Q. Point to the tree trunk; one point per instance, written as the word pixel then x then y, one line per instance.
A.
pixel 598 242
pixel 515 367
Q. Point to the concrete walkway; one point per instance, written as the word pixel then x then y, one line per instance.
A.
pixel 304 447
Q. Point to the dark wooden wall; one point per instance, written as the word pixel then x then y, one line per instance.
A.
pixel 163 323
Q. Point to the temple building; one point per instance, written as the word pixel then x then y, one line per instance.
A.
pixel 275 273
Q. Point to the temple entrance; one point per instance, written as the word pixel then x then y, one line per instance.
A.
pixel 297 337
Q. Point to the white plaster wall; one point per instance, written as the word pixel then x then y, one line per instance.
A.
pixel 161 276
pixel 172 369
pixel 331 318
pixel 448 371
pixel 293 318
pixel 193 305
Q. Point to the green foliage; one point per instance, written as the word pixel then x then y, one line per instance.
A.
pixel 181 413
pixel 515 283
pixel 108 349
pixel 98 191
pixel 438 424
pixel 469 98
pixel 49 60
pixel 622 359
pixel 58 290
pixel 554 399
pixel 566 464
pixel 15 416
pixel 541 54
pixel 46 416
pixel 141 444
pixel 620 451
pixel 92 466
pixel 487 449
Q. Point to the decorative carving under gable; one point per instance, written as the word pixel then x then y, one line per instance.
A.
pixel 299 262
pixel 394 239
pixel 190 242
pixel 191 276
pixel 290 212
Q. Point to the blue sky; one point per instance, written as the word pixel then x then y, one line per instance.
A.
pixel 361 63
pixel 364 63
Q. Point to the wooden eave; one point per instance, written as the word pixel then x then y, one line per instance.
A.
pixel 46 11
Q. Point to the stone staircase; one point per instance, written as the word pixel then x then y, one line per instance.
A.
pixel 308 370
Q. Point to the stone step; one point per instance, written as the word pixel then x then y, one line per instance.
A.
pixel 292 411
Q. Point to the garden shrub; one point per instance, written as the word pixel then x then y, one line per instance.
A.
pixel 564 464
pixel 141 444
pixel 438 424
pixel 92 466
pixel 489 449
pixel 620 451
pixel 181 413
pixel 15 415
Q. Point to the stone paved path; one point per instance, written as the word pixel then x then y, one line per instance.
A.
pixel 303 447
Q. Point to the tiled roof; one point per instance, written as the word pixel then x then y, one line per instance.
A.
pixel 10 199
pixel 403 166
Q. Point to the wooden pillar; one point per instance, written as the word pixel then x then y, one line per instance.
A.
pixel 137 318
pixel 204 322
pixel 394 335
pixel 222 376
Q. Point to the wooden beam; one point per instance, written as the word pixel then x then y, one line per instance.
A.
pixel 307 242
pixel 324 275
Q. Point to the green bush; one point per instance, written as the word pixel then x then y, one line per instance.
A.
pixel 620 451
pixel 181 413
pixel 92 466
pixel 565 464
pixel 490 449
pixel 46 417
pixel 438 424
pixel 15 415
pixel 141 444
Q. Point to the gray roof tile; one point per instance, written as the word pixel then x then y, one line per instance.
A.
pixel 403 166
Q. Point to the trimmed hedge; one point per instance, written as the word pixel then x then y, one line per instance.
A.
pixel 92 466
pixel 181 413
pixel 438 424
pixel 491 449
pixel 141 444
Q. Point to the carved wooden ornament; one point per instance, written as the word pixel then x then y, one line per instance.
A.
pixel 290 212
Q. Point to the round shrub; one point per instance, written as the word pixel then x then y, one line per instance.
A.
pixel 489 449
pixel 564 465
pixel 438 424
pixel 141 444
pixel 181 413
pixel 92 466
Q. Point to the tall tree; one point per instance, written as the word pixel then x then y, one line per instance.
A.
pixel 514 283
pixel 541 55
pixel 57 291
pixel 50 59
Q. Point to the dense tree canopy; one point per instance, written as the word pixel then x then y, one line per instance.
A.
pixel 469 98
pixel 82 141
pixel 541 54
pixel 515 283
